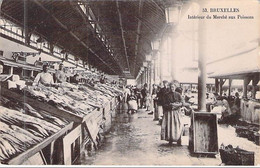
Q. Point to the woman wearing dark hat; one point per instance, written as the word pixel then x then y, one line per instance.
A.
pixel 172 125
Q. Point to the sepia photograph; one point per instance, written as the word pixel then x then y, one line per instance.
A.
pixel 89 83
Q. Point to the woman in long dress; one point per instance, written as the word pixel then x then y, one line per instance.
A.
pixel 172 120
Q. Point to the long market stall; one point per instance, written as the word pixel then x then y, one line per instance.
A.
pixel 88 109
pixel 26 131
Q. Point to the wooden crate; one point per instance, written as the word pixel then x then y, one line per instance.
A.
pixel 204 130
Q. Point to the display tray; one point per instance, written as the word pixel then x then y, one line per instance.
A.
pixel 44 106
pixel 205 136
pixel 32 151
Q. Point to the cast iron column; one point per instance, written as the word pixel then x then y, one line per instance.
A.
pixel 1 1
pixel 26 31
pixel 229 86
pixel 172 50
pixel 202 66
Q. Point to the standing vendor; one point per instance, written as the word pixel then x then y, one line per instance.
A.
pixel 172 120
pixel 144 93
pixel 164 89
pixel 60 74
pixel 44 78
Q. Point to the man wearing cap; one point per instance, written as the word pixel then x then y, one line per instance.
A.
pixel 44 78
pixel 60 74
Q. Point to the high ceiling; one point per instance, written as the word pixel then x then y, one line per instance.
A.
pixel 129 27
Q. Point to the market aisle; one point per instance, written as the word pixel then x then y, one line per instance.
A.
pixel 135 140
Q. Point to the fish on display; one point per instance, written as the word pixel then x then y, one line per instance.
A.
pixel 26 133
pixel 31 111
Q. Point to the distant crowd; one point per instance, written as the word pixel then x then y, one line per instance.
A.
pixel 168 102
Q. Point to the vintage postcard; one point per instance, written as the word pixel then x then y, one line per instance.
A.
pixel 129 83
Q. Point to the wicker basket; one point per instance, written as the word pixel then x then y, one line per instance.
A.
pixel 257 140
pixel 236 156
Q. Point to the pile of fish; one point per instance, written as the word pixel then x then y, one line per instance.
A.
pixel 95 96
pixel 64 98
pixel 27 109
pixel 113 91
pixel 78 99
pixel 19 132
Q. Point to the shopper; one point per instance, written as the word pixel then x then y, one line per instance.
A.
pixel 172 120
pixel 154 101
pixel 164 89
pixel 179 90
pixel 144 92
pixel 188 97
pixel 44 78
pixel 138 96
pixel 148 102
pixel 235 108
pixel 127 93
pixel 60 75
pixel 237 100
pixel 227 112
pixel 132 103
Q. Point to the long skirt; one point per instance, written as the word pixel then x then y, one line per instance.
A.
pixel 171 125
pixel 160 111
pixel 143 102
pixel 132 105
pixel 148 102
pixel 156 114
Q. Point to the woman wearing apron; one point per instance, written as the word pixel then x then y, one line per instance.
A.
pixel 172 120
